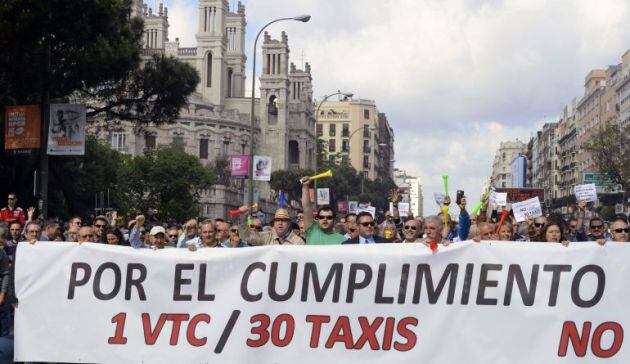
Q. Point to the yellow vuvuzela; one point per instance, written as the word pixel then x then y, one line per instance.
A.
pixel 326 174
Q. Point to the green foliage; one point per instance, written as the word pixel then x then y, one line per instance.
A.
pixel 221 167
pixel 288 181
pixel 166 179
pixel 90 50
pixel 610 148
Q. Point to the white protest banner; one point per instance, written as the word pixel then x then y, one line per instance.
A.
pixel 403 209
pixel 262 168
pixel 439 198
pixel 382 303
pixel 586 193
pixel 66 133
pixel 370 209
pixel 526 209
pixel 323 196
pixel 498 198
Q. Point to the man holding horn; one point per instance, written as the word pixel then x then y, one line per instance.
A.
pixel 321 233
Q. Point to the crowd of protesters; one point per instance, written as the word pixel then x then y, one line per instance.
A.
pixel 322 227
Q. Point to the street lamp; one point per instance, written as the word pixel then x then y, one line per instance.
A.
pixel 326 97
pixel 250 187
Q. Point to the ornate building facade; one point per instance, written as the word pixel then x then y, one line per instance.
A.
pixel 216 120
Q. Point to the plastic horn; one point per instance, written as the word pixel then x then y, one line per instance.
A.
pixel 477 207
pixel 326 174
pixel 445 178
pixel 445 214
pixel 234 213
pixel 504 214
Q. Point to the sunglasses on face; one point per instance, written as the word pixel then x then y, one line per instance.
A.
pixel 99 226
pixel 597 226
pixel 538 225
pixel 234 230
pixel 352 230
pixel 620 231
pixel 324 217
pixel 410 227
pixel 573 226
pixel 172 236
pixel 366 224
pixel 255 227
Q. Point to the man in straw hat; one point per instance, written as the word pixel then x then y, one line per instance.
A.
pixel 281 233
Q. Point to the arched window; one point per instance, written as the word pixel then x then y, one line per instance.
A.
pixel 273 106
pixel 229 82
pixel 209 71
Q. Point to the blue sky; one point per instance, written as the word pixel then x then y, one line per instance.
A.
pixel 455 77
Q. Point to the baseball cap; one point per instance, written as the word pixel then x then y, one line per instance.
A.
pixel 157 230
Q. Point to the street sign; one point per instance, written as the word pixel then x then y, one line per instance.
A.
pixel 604 183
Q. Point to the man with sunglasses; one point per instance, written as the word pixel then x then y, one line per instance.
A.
pixel 596 226
pixel 411 231
pixel 12 212
pixel 619 230
pixel 100 225
pixel 367 226
pixel 323 232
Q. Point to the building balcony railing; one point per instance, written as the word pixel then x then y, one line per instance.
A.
pixel 187 51
pixel 151 51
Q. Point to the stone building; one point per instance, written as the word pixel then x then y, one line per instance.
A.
pixel 216 120
pixel 502 166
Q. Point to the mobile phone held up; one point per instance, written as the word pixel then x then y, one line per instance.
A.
pixel 460 194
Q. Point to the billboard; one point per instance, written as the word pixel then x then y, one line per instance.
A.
pixel 519 172
pixel 23 133
pixel 66 132
pixel 604 183
pixel 522 194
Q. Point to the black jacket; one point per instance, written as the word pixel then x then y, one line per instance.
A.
pixel 377 240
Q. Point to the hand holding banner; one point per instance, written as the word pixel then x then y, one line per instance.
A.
pixel 586 193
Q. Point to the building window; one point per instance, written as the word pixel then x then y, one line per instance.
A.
pixel 331 159
pixel 118 141
pixel 345 130
pixel 366 162
pixel 345 145
pixel 294 152
pixel 209 70
pixel 178 142
pixel 331 145
pixel 332 130
pixel 366 147
pixel 366 131
pixel 366 114
pixel 149 141
pixel 203 148
pixel 320 130
pixel 230 76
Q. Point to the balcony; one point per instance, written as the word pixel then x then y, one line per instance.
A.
pixel 187 51
pixel 367 149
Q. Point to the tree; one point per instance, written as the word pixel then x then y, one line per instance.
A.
pixel 87 48
pixel 288 181
pixel 221 168
pixel 610 148
pixel 166 179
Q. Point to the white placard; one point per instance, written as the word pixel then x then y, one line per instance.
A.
pixel 403 209
pixel 526 209
pixel 439 198
pixel 352 206
pixel 370 209
pixel 323 196
pixel 498 198
pixel 114 304
pixel 66 132
pixel 586 193
pixel 262 168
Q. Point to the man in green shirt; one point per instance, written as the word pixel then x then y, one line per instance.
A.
pixel 321 233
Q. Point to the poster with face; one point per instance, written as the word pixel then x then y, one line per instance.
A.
pixel 66 132
pixel 262 168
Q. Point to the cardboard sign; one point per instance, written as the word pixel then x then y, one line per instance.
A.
pixel 527 209
pixel 587 192
pixel 323 196
pixel 403 209
pixel 370 209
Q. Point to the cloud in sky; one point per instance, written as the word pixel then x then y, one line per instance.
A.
pixel 455 77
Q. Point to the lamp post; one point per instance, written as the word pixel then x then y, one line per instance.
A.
pixel 250 185
pixel 326 97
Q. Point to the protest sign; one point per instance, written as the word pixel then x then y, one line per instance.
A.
pixel 323 196
pixel 522 194
pixel 526 209
pixel 439 198
pixel 352 206
pixel 262 168
pixel 403 209
pixel 370 209
pixel 498 198
pixel 94 303
pixel 586 193
pixel 66 132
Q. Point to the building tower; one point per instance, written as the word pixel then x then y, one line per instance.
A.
pixel 274 96
pixel 235 55
pixel 155 27
pixel 211 49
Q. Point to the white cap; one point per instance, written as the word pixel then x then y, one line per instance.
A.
pixel 157 230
